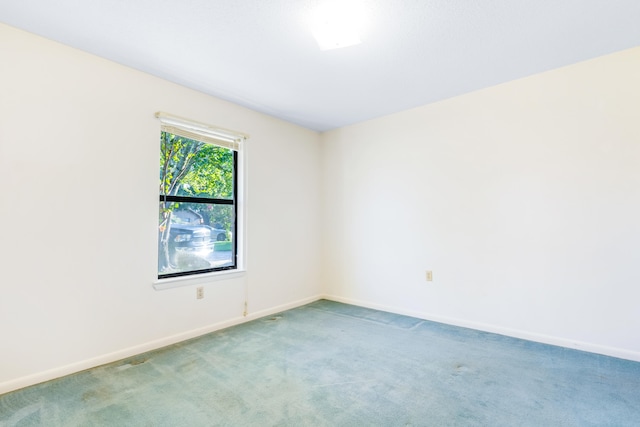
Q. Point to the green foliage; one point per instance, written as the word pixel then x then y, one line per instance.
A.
pixel 196 169
pixel 177 155
pixel 211 174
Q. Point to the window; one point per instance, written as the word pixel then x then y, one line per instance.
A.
pixel 198 210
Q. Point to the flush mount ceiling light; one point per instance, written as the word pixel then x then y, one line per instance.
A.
pixel 337 24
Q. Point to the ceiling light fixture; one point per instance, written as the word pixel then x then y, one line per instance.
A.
pixel 337 24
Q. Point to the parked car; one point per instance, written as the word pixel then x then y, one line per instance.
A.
pixel 189 235
pixel 197 239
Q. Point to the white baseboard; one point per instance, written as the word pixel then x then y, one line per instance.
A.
pixel 529 336
pixel 82 365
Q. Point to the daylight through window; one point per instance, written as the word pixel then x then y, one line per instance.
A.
pixel 198 211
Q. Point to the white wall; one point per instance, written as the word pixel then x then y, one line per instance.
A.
pixel 524 200
pixel 79 149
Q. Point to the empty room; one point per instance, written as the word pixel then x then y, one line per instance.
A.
pixel 320 213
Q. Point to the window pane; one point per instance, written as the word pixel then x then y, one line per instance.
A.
pixel 195 236
pixel 196 169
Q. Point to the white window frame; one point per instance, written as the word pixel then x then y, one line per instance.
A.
pixel 225 138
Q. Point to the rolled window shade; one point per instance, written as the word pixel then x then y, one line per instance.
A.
pixel 200 131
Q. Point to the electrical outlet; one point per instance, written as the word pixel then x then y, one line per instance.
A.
pixel 429 276
pixel 199 292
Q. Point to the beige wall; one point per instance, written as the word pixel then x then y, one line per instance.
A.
pixel 79 149
pixel 524 200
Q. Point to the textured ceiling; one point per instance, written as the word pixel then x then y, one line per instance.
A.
pixel 261 54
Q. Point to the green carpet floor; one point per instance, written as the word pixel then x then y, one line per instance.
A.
pixel 331 364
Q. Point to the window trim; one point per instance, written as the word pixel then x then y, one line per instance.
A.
pixel 224 138
pixel 196 279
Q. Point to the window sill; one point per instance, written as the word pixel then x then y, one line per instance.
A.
pixel 177 282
